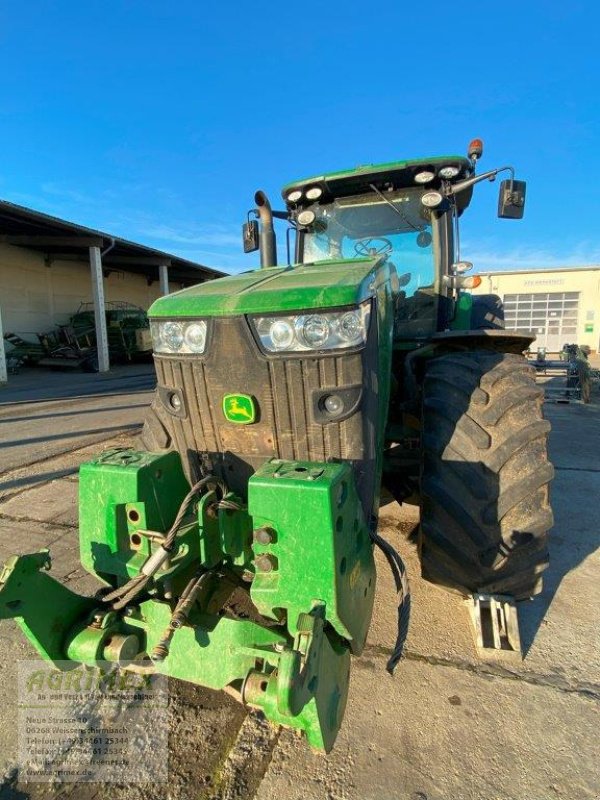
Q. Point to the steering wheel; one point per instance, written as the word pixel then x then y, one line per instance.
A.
pixel 373 246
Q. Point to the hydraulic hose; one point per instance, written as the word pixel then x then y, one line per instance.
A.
pixel 403 589
pixel 180 615
pixel 122 596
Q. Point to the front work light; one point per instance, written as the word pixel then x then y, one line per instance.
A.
pixel 327 330
pixel 449 172
pixel 314 193
pixel 431 199
pixel 425 176
pixel 306 218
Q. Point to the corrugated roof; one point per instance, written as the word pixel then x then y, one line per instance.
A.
pixel 59 238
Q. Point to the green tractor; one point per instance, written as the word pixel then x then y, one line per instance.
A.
pixel 235 549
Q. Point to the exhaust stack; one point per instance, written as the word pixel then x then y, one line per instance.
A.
pixel 268 245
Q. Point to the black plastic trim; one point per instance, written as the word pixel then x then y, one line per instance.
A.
pixel 165 393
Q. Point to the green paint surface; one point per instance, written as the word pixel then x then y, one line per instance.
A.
pixel 321 545
pixel 326 284
pixel 120 491
pixel 462 313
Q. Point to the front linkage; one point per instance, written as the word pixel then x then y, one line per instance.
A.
pixel 268 600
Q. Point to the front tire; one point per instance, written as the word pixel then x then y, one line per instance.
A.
pixel 484 476
pixel 155 436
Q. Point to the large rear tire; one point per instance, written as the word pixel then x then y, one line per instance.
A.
pixel 485 473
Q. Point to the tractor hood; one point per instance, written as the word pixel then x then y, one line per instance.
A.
pixel 324 284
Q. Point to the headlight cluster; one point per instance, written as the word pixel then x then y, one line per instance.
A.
pixel 178 336
pixel 322 331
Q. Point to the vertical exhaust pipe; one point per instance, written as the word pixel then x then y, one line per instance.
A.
pixel 268 245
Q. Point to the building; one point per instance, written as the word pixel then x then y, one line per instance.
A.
pixel 562 305
pixel 49 266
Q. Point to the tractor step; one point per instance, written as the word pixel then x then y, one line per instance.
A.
pixel 495 622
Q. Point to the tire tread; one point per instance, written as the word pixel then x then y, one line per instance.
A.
pixel 485 474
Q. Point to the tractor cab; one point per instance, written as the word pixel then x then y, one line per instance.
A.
pixel 378 211
pixel 404 213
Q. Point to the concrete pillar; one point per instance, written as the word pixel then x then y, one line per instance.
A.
pixel 99 310
pixel 3 370
pixel 163 274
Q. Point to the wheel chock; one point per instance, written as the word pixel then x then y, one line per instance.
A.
pixel 495 622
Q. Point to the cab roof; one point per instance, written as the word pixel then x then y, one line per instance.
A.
pixel 394 174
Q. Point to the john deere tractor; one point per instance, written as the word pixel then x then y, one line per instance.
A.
pixel 235 550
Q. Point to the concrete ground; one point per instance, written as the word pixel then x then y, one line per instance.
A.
pixel 449 724
pixel 44 413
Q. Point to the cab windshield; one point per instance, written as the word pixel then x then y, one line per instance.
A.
pixel 359 227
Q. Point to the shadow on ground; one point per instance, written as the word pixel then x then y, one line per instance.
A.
pixel 576 534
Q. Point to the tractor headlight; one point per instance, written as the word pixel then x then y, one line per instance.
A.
pixel 281 333
pixel 313 331
pixel 178 336
pixel 332 330
pixel 172 336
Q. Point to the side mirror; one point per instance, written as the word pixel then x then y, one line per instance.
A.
pixel 511 199
pixel 250 236
pixel 461 266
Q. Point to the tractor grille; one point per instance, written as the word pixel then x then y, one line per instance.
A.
pixel 284 390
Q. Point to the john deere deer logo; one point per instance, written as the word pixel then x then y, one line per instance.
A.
pixel 239 408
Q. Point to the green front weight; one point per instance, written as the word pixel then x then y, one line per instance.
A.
pixel 319 549
pixel 121 492
pixel 302 547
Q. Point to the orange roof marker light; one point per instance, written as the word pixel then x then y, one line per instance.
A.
pixel 511 198
pixel 475 150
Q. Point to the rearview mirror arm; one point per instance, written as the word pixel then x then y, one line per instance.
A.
pixel 456 188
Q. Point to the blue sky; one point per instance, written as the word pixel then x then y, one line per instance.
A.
pixel 157 121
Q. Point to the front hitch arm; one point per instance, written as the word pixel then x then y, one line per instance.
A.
pixel 44 609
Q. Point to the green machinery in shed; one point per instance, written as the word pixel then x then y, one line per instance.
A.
pixel 236 548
